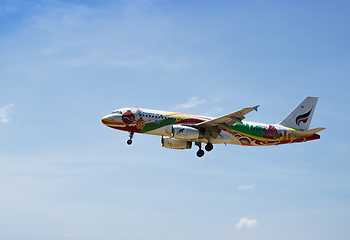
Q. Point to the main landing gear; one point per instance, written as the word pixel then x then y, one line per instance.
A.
pixel 131 135
pixel 208 148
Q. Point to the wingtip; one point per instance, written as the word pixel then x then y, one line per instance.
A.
pixel 256 107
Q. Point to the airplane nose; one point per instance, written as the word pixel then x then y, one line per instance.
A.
pixel 110 119
pixel 104 120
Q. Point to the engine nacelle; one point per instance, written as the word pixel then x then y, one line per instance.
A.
pixel 184 132
pixel 175 143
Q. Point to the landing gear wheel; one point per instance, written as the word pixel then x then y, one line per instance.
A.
pixel 209 147
pixel 200 153
pixel 131 135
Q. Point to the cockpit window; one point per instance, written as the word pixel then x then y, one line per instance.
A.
pixel 117 112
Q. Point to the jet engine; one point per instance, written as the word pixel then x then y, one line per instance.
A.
pixel 175 143
pixel 184 132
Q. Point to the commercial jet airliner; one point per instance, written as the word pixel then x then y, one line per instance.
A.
pixel 180 130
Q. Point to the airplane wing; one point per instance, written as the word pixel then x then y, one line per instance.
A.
pixel 216 125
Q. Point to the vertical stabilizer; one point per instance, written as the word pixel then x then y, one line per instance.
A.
pixel 301 116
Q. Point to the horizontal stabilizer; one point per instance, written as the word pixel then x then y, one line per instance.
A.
pixel 307 132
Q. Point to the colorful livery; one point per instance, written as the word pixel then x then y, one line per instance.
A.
pixel 179 130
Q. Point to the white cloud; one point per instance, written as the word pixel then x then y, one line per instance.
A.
pixel 68 235
pixel 246 187
pixel 245 222
pixel 4 112
pixel 193 102
pixel 213 112
pixel 217 98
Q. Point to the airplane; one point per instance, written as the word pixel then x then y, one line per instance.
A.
pixel 180 130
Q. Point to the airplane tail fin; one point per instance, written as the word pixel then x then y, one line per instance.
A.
pixel 301 116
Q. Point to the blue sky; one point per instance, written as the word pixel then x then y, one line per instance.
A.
pixel 66 64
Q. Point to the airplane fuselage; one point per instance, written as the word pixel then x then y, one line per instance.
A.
pixel 139 120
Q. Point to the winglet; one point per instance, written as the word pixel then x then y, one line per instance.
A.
pixel 256 107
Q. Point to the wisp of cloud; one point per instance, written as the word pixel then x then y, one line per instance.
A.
pixel 4 112
pixel 68 235
pixel 193 102
pixel 245 222
pixel 246 187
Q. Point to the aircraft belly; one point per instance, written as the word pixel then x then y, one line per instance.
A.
pixel 158 131
pixel 232 138
pixel 222 138
pixel 235 141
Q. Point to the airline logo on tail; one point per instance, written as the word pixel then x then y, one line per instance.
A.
pixel 303 118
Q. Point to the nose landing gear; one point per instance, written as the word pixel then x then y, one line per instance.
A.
pixel 131 135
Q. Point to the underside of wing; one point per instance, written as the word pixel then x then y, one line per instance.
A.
pixel 216 125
